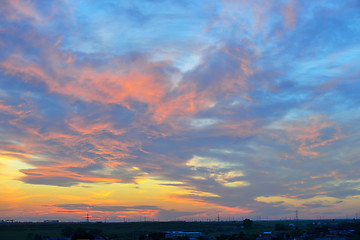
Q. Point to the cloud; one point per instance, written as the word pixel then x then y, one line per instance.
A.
pixel 139 210
pixel 289 14
pixel 21 10
pixel 243 109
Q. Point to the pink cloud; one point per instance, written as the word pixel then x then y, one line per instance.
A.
pixel 244 128
pixel 307 135
pixel 17 10
pixel 9 109
pixel 332 174
pixel 289 14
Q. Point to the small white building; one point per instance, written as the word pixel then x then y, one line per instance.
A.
pixel 177 234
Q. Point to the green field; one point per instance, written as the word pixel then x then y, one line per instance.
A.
pixel 137 230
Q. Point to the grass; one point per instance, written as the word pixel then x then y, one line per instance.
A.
pixel 133 230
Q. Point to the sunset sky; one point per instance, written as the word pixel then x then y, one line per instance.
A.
pixel 179 109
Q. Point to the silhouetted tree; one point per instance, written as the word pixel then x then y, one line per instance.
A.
pixel 247 223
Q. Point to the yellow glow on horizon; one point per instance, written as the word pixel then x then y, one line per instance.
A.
pixel 29 199
pixel 10 166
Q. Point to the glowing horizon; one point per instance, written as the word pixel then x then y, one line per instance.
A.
pixel 168 110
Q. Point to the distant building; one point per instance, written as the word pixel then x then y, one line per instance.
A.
pixel 177 234
pixel 7 221
pixel 51 221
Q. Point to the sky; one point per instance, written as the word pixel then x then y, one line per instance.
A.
pixel 179 110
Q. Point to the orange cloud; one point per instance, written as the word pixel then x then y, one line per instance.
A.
pixel 204 206
pixel 83 127
pixel 123 83
pixel 333 174
pixel 105 86
pixel 44 172
pixel 307 134
pixel 185 104
pixel 8 109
